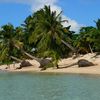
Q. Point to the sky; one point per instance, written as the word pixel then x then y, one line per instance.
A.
pixel 78 12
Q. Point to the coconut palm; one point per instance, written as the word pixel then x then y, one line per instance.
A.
pixel 48 35
pixel 85 41
pixel 97 24
pixel 8 42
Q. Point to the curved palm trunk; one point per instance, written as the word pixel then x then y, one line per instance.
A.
pixel 43 62
pixel 30 56
pixel 68 45
pixel 16 59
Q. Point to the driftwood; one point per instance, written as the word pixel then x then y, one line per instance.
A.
pixel 84 63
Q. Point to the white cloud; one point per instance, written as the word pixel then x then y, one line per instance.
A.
pixel 37 4
pixel 74 25
pixel 53 3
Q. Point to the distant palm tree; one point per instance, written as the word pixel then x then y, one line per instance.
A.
pixel 97 24
pixel 85 40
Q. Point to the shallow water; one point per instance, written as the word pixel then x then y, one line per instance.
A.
pixel 35 86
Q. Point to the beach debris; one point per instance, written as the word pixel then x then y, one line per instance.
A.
pixel 84 63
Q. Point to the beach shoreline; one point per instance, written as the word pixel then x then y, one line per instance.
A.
pixel 64 66
pixel 94 70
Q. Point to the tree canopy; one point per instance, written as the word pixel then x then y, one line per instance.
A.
pixel 43 35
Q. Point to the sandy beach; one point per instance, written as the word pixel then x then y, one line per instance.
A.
pixel 66 66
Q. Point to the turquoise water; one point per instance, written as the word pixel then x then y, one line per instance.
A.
pixel 31 86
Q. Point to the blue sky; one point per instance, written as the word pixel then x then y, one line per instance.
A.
pixel 78 12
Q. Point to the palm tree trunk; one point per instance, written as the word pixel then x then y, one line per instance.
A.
pixel 68 45
pixel 90 48
pixel 16 59
pixel 43 62
pixel 30 56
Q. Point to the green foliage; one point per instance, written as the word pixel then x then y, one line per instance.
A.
pixel 88 37
pixel 47 33
pixel 9 43
pixel 98 24
pixel 43 30
pixel 85 39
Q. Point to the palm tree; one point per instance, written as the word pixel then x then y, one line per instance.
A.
pixel 96 36
pixel 85 40
pixel 28 28
pixel 8 42
pixel 97 24
pixel 48 36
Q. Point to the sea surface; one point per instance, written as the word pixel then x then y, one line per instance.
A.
pixel 39 86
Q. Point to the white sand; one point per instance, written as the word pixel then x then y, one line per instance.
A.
pixel 63 63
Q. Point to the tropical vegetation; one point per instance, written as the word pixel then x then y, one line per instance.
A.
pixel 43 35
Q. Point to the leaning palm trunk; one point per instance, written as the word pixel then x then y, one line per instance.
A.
pixel 42 61
pixel 16 59
pixel 68 45
pixel 30 56
pixel 90 48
